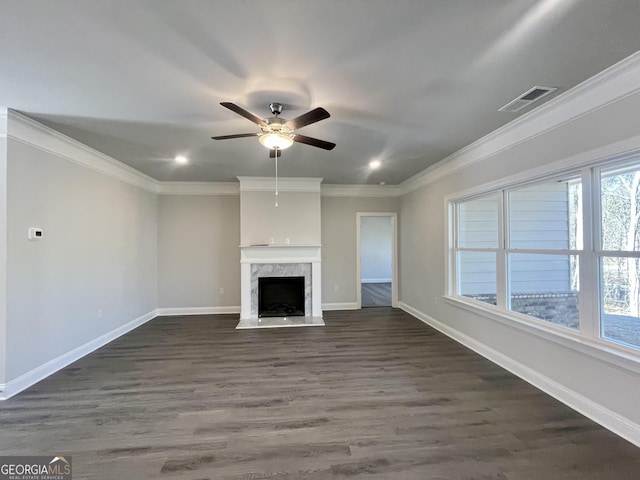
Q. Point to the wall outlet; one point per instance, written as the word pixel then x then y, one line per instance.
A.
pixel 221 291
pixel 335 288
pixel 271 241
pixel 99 314
pixel 436 300
pixel 287 241
pixel 34 233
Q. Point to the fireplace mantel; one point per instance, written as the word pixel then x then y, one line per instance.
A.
pixel 279 254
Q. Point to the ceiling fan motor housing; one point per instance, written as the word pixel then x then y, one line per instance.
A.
pixel 276 124
pixel 276 108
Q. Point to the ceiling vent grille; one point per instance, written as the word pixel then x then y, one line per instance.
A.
pixel 527 98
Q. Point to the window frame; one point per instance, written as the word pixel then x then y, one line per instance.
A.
pixel 589 337
pixel 456 240
pixel 599 253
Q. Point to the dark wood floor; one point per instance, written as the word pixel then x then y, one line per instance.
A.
pixel 375 394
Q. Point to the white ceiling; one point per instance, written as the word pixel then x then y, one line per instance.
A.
pixel 407 82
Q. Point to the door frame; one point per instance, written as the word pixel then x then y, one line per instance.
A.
pixel 394 255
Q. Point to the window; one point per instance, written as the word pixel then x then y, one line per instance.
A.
pixel 530 250
pixel 478 241
pixel 619 255
pixel 542 255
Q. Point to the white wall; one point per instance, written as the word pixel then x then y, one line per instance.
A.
pixel 3 244
pixel 92 274
pixel 198 246
pixel 602 385
pixel 339 245
pixel 198 254
pixel 297 217
pixel 376 249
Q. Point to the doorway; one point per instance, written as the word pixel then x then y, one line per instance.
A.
pixel 376 259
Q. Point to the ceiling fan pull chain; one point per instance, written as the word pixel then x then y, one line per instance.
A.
pixel 277 176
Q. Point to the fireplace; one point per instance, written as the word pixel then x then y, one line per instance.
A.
pixel 280 262
pixel 280 242
pixel 281 296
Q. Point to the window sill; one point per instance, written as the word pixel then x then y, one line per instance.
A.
pixel 618 356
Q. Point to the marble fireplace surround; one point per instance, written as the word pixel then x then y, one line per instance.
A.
pixel 280 261
pixel 260 270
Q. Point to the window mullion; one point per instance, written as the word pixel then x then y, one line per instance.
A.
pixel 451 274
pixel 589 295
pixel 502 294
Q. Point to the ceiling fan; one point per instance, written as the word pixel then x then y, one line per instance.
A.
pixel 278 133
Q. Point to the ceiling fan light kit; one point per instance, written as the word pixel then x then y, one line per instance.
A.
pixel 276 140
pixel 275 133
pixel 278 133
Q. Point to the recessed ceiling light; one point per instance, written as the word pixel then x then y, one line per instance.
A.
pixel 373 164
pixel 181 159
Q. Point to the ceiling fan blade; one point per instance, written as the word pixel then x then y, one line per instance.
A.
pixel 308 118
pixel 313 142
pixel 237 135
pixel 241 111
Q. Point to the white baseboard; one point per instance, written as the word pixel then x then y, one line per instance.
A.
pixel 32 377
pixel 340 306
pixel 376 280
pixel 618 424
pixel 162 312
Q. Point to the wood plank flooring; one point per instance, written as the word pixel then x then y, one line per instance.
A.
pixel 376 294
pixel 374 394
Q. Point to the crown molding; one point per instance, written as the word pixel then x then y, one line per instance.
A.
pixel 285 184
pixel 604 88
pixel 611 85
pixel 198 188
pixel 360 191
pixel 30 132
pixel 33 133
pixel 617 152
pixel 259 184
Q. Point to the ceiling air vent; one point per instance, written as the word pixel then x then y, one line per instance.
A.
pixel 527 98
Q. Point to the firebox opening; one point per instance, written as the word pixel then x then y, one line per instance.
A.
pixel 280 296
